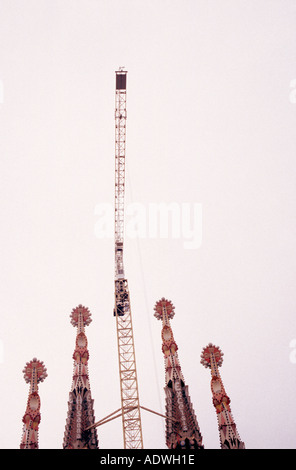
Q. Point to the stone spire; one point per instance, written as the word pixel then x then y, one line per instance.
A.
pixel 182 429
pixel 80 405
pixel 212 357
pixel 34 372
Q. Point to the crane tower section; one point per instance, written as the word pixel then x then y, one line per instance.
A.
pixel 130 405
pixel 120 139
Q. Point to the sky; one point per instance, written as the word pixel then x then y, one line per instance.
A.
pixel 211 118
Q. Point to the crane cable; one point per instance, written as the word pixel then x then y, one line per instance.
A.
pixel 146 300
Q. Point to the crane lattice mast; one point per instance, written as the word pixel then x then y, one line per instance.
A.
pixel 130 405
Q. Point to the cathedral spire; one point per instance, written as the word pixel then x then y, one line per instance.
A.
pixel 211 357
pixel 182 429
pixel 34 372
pixel 80 405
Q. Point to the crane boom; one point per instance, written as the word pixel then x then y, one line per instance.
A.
pixel 131 416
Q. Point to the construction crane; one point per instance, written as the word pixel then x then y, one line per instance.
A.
pixel 130 405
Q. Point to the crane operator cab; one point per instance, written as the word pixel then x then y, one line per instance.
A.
pixel 121 298
pixel 120 80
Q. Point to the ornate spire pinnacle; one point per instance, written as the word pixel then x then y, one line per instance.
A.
pixel 34 372
pixel 182 430
pixel 80 404
pixel 212 357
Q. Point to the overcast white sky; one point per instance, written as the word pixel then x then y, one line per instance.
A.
pixel 211 101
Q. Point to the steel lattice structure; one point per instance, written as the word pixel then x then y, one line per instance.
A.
pixel 130 405
pixel 212 357
pixel 182 429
